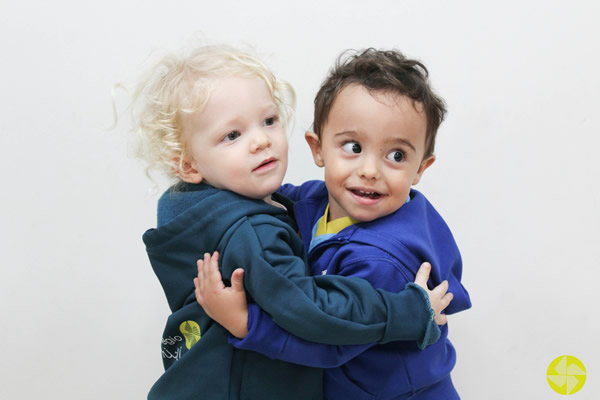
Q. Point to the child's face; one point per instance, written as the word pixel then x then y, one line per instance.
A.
pixel 237 141
pixel 372 148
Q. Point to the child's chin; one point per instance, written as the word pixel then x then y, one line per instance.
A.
pixel 363 217
pixel 368 217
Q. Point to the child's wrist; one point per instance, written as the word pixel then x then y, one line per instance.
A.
pixel 242 327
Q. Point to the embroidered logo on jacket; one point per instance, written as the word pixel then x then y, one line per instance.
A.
pixel 191 333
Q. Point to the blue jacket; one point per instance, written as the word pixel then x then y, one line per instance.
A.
pixel 194 219
pixel 387 252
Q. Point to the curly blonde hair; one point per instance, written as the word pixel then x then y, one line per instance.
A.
pixel 181 84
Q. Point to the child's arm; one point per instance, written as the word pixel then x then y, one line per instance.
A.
pixel 228 307
pixel 265 337
pixel 328 309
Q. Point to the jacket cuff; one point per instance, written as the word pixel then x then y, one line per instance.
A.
pixel 410 317
pixel 432 330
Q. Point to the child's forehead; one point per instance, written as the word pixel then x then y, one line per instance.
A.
pixel 231 82
pixel 389 96
pixel 360 111
pixel 353 98
pixel 230 99
pixel 223 88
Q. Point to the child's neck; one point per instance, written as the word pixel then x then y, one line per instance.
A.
pixel 272 202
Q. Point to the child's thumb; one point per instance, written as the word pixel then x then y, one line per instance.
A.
pixel 237 280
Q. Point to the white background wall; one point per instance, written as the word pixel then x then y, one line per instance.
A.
pixel 516 177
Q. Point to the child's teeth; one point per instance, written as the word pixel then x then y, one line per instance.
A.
pixel 366 194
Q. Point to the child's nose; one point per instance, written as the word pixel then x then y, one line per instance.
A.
pixel 368 168
pixel 260 140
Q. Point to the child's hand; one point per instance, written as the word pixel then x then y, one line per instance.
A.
pixel 226 305
pixel 439 298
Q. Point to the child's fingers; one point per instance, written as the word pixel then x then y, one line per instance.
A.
pixel 207 267
pixel 198 292
pixel 441 289
pixel 446 300
pixel 423 275
pixel 214 262
pixel 201 275
pixel 237 280
pixel 211 271
pixel 441 319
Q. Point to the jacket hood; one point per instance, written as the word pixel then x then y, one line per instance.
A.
pixel 192 220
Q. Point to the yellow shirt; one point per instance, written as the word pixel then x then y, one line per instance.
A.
pixel 323 229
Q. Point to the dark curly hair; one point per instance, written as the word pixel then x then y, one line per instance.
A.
pixel 381 70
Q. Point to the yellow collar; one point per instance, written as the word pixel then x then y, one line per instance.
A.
pixel 335 226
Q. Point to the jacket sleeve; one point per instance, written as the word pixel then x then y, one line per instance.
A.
pixel 296 193
pixel 327 309
pixel 293 192
pixel 267 338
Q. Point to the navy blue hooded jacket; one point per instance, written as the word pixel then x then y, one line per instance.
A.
pixel 261 238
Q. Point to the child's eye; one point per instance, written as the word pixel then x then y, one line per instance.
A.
pixel 231 136
pixel 270 121
pixel 352 147
pixel 396 156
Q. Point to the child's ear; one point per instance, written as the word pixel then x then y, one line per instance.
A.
pixel 426 163
pixel 315 147
pixel 187 171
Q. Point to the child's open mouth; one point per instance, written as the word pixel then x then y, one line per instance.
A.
pixel 368 195
pixel 266 164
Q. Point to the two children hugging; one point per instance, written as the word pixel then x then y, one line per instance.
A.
pixel 215 119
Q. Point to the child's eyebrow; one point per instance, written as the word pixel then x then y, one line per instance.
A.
pixel 342 133
pixel 403 141
pixel 236 118
pixel 271 106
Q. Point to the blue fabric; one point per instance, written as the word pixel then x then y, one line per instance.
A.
pixel 261 238
pixel 318 239
pixel 387 252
